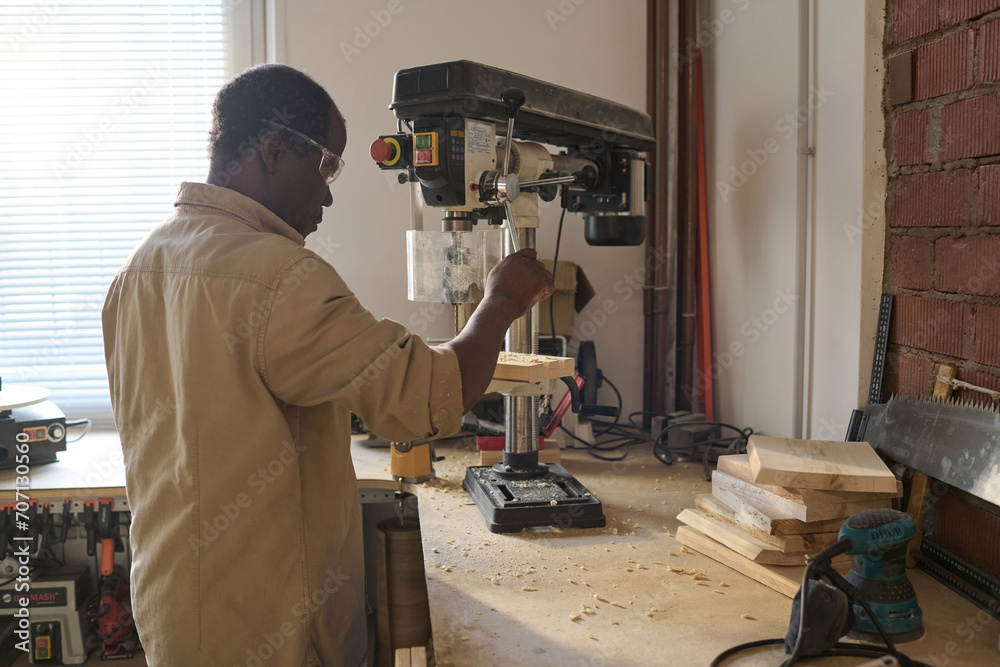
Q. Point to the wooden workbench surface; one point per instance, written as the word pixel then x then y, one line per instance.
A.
pixel 665 618
pixel 482 614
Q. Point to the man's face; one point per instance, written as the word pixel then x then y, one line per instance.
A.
pixel 299 191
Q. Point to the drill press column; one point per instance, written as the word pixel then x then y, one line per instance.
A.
pixel 521 412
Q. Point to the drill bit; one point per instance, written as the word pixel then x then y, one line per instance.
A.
pixel 399 493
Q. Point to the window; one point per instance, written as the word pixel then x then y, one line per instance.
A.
pixel 106 109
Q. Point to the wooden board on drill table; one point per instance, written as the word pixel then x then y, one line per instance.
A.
pixel 808 542
pixel 738 466
pixel 818 464
pixel 781 506
pixel 518 367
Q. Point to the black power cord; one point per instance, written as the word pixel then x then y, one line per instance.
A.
pixel 841 649
pixel 555 263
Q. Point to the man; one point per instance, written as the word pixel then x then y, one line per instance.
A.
pixel 235 356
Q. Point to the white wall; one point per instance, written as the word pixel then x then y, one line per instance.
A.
pixel 594 47
pixel 752 99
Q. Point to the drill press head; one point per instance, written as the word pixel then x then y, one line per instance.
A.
pixel 879 538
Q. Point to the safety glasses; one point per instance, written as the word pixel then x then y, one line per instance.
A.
pixel 330 166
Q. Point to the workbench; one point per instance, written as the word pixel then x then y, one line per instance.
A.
pixel 508 599
pixel 483 611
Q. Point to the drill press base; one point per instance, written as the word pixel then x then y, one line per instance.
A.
pixel 555 498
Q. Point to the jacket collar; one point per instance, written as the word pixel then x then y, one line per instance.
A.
pixel 252 213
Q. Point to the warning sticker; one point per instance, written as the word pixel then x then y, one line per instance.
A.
pixel 478 137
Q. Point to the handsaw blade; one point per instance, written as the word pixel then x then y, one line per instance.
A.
pixel 957 442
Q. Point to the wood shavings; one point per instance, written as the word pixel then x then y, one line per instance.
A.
pixel 464 639
pixel 584 609
pixel 649 614
pixel 684 550
pixel 434 550
pixel 631 546
pixel 575 617
pixel 719 592
pixel 528 589
pixel 615 604
pixel 495 581
pixel 590 636
pixel 747 617
pixel 698 576
pixel 553 502
pixel 678 570
pixel 671 553
pixel 613 622
pixel 702 583
pixel 628 569
pixel 597 596
pixel 571 581
pixel 723 584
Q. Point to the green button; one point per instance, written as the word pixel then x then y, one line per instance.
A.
pixel 423 140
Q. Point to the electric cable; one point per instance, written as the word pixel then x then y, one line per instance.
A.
pixel 555 263
pixel 79 422
pixel 618 414
pixel 840 649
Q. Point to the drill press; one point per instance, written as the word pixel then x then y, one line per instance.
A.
pixel 449 116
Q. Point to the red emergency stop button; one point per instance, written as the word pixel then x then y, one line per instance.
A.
pixel 381 150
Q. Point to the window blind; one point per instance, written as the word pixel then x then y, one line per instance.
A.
pixel 105 108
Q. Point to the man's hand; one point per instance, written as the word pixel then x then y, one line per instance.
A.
pixel 520 279
pixel 514 285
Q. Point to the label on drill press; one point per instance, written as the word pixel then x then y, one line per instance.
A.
pixel 38 597
pixel 478 137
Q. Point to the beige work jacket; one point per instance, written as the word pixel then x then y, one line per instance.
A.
pixel 235 356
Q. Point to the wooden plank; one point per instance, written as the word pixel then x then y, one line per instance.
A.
pixel 418 656
pixel 785 580
pixel 808 542
pixel 519 367
pixel 738 466
pixel 818 464
pixel 740 542
pixel 781 507
pixel 402 657
pixel 748 514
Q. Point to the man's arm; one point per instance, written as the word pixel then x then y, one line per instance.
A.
pixel 515 285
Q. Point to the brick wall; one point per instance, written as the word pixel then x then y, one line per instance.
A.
pixel 942 100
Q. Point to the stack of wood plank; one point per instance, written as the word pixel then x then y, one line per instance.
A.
pixel 783 500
